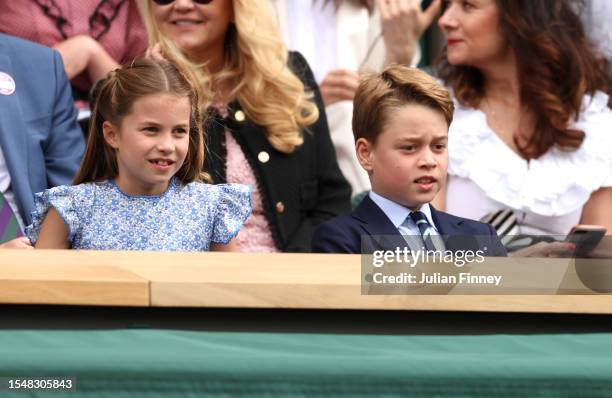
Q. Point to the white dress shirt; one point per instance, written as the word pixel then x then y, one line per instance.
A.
pixel 5 189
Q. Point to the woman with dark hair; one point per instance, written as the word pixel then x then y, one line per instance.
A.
pixel 530 144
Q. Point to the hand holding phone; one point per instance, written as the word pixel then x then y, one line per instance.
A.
pixel 586 238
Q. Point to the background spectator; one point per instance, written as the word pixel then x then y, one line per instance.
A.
pixel 343 38
pixel 93 36
pixel 41 143
pixel 597 18
pixel 531 132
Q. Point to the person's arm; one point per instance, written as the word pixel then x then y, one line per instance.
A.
pixel 219 247
pixel 402 24
pixel 339 85
pixel 333 238
pixel 17 243
pixel 65 145
pixel 83 53
pixel 598 209
pixel 53 232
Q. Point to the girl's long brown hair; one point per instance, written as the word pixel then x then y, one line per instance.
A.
pixel 557 65
pixel 114 98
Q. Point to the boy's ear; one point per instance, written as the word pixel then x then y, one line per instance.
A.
pixel 110 133
pixel 364 148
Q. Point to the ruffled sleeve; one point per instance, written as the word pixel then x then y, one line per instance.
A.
pixel 233 210
pixel 68 201
pixel 558 183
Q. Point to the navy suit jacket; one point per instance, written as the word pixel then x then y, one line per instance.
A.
pixel 343 234
pixel 39 135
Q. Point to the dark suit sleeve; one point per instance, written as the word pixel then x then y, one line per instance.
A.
pixel 334 192
pixel 332 237
pixel 496 248
pixel 65 145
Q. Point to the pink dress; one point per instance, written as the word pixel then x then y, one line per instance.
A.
pixel 255 236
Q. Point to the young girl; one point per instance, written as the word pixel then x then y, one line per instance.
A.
pixel 140 185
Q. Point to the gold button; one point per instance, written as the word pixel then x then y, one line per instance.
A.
pixel 263 156
pixel 239 116
pixel 280 207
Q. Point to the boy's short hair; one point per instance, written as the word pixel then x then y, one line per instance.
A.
pixel 396 86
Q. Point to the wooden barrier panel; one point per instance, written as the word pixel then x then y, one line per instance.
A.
pixel 68 277
pixel 308 281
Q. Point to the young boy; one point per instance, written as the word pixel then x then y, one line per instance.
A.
pixel 400 123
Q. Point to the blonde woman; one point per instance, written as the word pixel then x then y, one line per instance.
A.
pixel 267 127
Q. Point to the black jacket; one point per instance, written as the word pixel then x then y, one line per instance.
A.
pixel 299 190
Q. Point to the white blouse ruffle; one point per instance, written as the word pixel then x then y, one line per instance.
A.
pixel 557 183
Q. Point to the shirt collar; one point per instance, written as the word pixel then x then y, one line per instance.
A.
pixel 398 213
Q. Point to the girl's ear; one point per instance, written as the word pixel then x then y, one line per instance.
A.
pixel 111 134
pixel 363 149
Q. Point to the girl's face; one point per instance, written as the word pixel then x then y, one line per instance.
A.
pixel 473 32
pixel 197 29
pixel 151 143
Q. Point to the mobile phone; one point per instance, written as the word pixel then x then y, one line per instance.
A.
pixel 586 238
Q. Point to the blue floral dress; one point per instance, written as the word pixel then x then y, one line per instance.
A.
pixel 188 217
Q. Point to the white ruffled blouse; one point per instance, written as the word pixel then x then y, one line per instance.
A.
pixel 548 193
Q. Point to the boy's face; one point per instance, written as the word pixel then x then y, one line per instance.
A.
pixel 409 160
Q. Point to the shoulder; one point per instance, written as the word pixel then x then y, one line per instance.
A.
pixel 202 190
pixel 477 154
pixel 28 51
pixel 595 119
pixel 298 64
pixel 338 235
pixel 465 224
pixel 345 223
pixel 71 202
pixel 72 191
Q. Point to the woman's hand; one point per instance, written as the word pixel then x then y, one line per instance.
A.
pixel 18 243
pixel 402 23
pixel 155 53
pixel 546 249
pixel 83 53
pixel 339 85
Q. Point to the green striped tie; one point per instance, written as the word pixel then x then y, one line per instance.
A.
pixel 9 227
pixel 421 222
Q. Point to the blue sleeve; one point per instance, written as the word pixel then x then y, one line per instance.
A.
pixel 65 146
pixel 65 200
pixel 233 210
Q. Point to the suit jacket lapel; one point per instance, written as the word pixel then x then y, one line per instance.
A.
pixel 444 224
pixel 455 236
pixel 375 223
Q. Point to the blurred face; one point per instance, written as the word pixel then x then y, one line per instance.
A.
pixel 408 162
pixel 197 29
pixel 473 33
pixel 151 143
